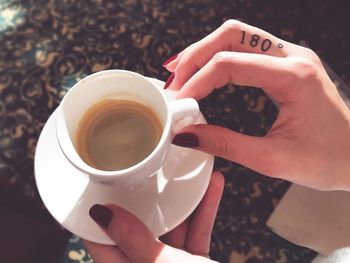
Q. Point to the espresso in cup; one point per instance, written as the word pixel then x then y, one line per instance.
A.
pixel 116 134
pixel 91 141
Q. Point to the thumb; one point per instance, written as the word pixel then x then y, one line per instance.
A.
pixel 131 236
pixel 252 152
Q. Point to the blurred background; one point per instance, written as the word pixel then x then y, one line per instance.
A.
pixel 48 45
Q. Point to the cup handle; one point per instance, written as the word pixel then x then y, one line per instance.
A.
pixel 184 112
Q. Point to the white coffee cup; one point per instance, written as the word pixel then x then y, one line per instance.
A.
pixel 120 84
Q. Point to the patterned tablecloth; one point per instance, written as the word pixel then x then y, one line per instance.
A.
pixel 48 45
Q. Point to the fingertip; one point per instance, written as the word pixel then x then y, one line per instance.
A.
pixel 217 182
pixel 172 82
pixel 176 84
pixel 169 80
pixel 218 177
pixel 171 66
pixel 171 62
pixel 101 214
pixel 131 235
pixel 186 139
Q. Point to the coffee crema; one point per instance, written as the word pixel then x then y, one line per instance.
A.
pixel 117 134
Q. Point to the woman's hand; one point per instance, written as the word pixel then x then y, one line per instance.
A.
pixel 308 144
pixel 189 242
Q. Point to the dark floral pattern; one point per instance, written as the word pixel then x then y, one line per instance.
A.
pixel 47 46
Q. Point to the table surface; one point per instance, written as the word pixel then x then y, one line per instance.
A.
pixel 47 46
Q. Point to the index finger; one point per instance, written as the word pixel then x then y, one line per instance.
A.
pixel 233 35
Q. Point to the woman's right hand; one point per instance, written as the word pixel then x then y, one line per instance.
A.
pixel 308 144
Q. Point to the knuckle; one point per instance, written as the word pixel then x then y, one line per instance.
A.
pixel 304 69
pixel 310 54
pixel 220 59
pixel 231 26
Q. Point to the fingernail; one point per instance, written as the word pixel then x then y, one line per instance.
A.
pixel 186 139
pixel 169 60
pixel 170 79
pixel 101 214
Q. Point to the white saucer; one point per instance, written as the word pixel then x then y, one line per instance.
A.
pixel 162 202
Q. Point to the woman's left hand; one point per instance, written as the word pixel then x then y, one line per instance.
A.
pixel 189 242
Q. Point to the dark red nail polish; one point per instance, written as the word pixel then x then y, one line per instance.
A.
pixel 170 79
pixel 186 139
pixel 169 60
pixel 101 214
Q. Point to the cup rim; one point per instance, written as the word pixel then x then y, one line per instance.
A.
pixel 86 168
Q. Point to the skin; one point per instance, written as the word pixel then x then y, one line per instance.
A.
pixel 308 144
pixel 189 242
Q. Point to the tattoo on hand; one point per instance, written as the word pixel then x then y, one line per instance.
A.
pixel 255 41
